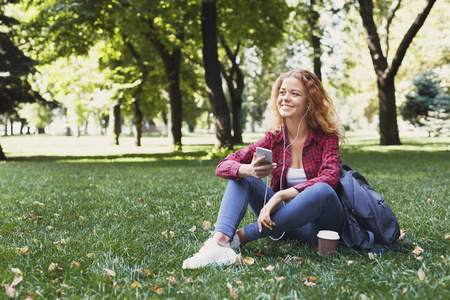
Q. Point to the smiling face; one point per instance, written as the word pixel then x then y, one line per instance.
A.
pixel 292 99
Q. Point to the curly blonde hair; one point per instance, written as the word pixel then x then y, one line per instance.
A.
pixel 322 113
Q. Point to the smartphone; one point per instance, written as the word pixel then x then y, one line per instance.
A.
pixel 268 153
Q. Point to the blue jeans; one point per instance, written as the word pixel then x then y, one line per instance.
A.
pixel 316 208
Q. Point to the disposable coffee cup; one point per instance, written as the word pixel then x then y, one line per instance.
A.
pixel 328 241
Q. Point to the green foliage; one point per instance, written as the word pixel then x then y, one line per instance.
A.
pixel 14 66
pixel 133 216
pixel 427 95
pixel 218 153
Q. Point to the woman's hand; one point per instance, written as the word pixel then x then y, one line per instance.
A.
pixel 264 218
pixel 255 169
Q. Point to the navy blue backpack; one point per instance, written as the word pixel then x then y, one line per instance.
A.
pixel 369 221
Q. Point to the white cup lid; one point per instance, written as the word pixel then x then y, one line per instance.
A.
pixel 328 234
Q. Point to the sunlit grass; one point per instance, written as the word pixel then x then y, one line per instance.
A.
pixel 131 213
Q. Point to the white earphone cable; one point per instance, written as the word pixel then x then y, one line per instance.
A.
pixel 284 160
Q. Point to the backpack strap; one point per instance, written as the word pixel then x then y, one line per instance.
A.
pixel 345 167
pixel 368 238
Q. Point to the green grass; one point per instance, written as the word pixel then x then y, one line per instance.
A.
pixel 111 207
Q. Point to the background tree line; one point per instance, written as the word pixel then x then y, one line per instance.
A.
pixel 171 60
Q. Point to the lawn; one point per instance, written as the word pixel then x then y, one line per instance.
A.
pixel 105 221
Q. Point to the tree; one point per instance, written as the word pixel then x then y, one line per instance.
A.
pixel 14 68
pixel 246 25
pixel 212 75
pixel 73 27
pixel 427 102
pixel 384 71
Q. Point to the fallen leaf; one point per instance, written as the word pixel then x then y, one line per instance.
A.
pixel 206 224
pixel 232 293
pixel 270 268
pixel 52 267
pixel 311 278
pixel 24 250
pixel 171 280
pixel 279 278
pixel 419 258
pixel 444 260
pixel 349 262
pixel 64 286
pixel 81 218
pixel 17 280
pixel 372 255
pixel 405 290
pixel 240 283
pixel 109 273
pixel 447 237
pixel 249 261
pixel 75 263
pixel 159 291
pixel 136 284
pixel 421 274
pixel 10 292
pixel 402 235
pixel 64 241
pixel 90 255
pixel 193 228
pixel 154 288
pixel 417 250
pixel 362 297
pixel 116 286
pixel 309 283
pixel 16 271
pixel 49 228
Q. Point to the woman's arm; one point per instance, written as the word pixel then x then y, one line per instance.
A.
pixel 272 206
pixel 230 166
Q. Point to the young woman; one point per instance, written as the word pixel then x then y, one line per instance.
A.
pixel 304 139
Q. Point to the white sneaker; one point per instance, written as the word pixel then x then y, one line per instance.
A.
pixel 235 243
pixel 211 253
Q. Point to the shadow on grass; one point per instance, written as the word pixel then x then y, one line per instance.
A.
pixel 196 155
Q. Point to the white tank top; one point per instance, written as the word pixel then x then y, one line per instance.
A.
pixel 295 176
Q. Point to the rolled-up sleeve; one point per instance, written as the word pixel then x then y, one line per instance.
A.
pixel 229 166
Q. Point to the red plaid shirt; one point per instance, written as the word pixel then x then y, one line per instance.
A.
pixel 321 159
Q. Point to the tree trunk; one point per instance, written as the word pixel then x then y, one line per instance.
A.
pixel 171 57
pixel 2 154
pixel 237 119
pixel 235 83
pixel 316 36
pixel 388 113
pixel 137 122
pixel 386 73
pixel 11 122
pixel 115 122
pixel 212 76
pixel 138 116
pixel 176 107
pixel 23 122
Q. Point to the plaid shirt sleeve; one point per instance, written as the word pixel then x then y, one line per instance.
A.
pixel 229 166
pixel 321 161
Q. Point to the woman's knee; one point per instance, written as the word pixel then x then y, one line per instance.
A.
pixel 323 190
